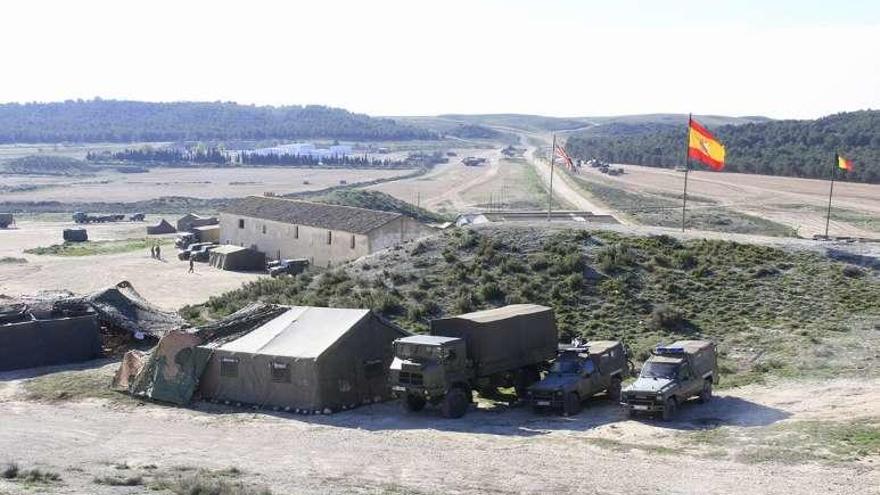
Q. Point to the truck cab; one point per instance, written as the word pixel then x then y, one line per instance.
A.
pixel 431 369
pixel 671 376
pixel 579 372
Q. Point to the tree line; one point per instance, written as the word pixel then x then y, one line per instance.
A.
pixel 100 120
pixel 215 156
pixel 792 148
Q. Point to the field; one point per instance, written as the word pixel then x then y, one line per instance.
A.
pixel 798 204
pixel 189 182
pixel 162 282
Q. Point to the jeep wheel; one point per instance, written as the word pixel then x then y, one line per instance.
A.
pixel 525 379
pixel 669 408
pixel 455 403
pixel 414 403
pixel 614 389
pixel 706 394
pixel 572 404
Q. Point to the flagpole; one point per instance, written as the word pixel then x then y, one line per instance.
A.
pixel 687 168
pixel 552 163
pixel 830 194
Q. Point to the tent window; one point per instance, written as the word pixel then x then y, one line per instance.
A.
pixel 329 236
pixel 264 229
pixel 374 368
pixel 241 223
pixel 280 372
pixel 352 241
pixel 229 367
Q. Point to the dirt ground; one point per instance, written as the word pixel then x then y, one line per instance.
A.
pixel 381 449
pixel 191 182
pixel 165 283
pixel 774 198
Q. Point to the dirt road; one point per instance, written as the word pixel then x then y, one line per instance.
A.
pixel 379 449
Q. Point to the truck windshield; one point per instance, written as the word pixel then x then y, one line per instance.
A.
pixel 659 370
pixel 411 351
pixel 566 366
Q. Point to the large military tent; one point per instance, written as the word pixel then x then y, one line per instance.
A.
pixel 32 337
pixel 237 258
pixel 308 359
pixel 162 227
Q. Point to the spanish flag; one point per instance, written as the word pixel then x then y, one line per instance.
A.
pixel 844 164
pixel 703 147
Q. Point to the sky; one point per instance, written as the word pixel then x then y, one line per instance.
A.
pixel 782 59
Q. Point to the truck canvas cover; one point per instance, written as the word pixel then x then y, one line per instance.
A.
pixel 504 338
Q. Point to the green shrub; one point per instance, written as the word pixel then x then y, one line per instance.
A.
pixel 664 317
pixel 491 292
pixel 615 258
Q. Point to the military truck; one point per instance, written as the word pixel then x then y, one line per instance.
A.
pixel 484 350
pixel 579 372
pixel 672 375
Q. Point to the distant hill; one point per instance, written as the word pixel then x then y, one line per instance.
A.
pixel 47 165
pixel 794 148
pixel 129 121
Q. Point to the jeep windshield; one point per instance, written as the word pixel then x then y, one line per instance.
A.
pixel 659 370
pixel 565 366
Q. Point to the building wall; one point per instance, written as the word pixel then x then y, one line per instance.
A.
pixel 282 240
pixel 401 230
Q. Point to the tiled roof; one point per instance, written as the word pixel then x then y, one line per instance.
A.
pixel 331 217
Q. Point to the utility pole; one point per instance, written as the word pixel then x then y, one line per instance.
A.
pixel 552 163
pixel 687 167
pixel 831 193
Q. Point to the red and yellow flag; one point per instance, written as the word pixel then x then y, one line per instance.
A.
pixel 703 147
pixel 844 164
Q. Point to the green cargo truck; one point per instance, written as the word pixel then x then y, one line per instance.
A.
pixel 484 350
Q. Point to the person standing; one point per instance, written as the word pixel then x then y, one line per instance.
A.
pixel 191 265
pixel 153 251
pixel 158 253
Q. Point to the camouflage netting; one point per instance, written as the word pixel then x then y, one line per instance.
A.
pixel 122 307
pixel 171 372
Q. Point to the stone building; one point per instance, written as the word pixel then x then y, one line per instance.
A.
pixel 324 234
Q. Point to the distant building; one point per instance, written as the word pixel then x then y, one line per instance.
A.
pixel 532 216
pixel 323 234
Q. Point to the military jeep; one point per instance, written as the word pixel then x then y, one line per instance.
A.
pixel 672 375
pixel 579 372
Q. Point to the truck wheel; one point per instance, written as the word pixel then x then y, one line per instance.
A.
pixel 669 408
pixel 414 403
pixel 614 389
pixel 571 405
pixel 706 394
pixel 455 403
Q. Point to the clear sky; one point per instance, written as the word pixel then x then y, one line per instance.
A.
pixel 785 58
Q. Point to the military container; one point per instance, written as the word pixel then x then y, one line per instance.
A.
pixel 483 350
pixel 6 220
pixel 672 375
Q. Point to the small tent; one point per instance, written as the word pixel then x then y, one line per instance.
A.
pixel 162 227
pixel 190 221
pixel 308 359
pixel 236 258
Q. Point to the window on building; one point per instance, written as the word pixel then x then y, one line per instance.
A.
pixel 352 241
pixel 229 367
pixel 280 372
pixel 329 237
pixel 296 231
pixel 374 368
pixel 241 223
pixel 264 228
